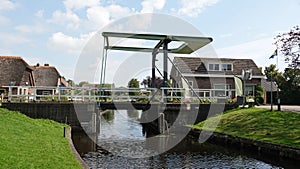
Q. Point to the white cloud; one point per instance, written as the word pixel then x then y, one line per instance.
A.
pixel 4 20
pixel 68 18
pixel 97 17
pixel 73 45
pixel 148 6
pixel 79 4
pixel 11 42
pixel 6 5
pixel 39 14
pixel 193 8
pixel 12 39
pixel 117 11
pixel 38 29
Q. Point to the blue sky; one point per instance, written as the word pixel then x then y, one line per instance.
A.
pixel 55 32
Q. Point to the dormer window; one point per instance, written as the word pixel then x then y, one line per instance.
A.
pixel 226 67
pixel 219 67
pixel 213 67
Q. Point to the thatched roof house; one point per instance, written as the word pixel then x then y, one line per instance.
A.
pixel 14 71
pixel 48 76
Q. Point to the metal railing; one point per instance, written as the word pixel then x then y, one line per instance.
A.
pixel 93 94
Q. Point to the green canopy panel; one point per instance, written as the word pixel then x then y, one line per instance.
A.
pixel 189 45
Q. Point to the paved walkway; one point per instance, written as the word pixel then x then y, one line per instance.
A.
pixel 290 108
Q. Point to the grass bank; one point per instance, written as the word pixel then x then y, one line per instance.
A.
pixel 33 143
pixel 258 124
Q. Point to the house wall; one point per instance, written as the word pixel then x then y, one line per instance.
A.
pixel 209 82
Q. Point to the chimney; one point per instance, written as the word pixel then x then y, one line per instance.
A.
pixel 46 64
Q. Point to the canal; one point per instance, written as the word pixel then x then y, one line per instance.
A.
pixel 122 144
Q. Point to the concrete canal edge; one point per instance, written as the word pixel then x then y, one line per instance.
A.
pixel 74 151
pixel 262 147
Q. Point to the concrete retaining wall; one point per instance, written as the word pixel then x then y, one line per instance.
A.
pixel 258 146
pixel 70 113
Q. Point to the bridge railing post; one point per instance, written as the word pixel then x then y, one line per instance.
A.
pixel 9 93
pixel 82 94
pixel 89 95
pixel 59 97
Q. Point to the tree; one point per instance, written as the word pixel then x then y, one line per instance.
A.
pixel 290 86
pixel 289 45
pixel 82 83
pixel 133 83
pixel 292 79
pixel 148 82
pixel 288 83
pixel 259 92
pixel 71 83
pixel 273 74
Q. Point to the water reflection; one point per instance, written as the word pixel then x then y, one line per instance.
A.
pixel 121 144
pixel 108 115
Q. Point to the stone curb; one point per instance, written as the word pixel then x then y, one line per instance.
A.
pixel 76 154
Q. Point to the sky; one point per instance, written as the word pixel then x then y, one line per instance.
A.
pixel 56 32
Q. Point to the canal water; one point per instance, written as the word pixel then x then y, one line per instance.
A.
pixel 121 144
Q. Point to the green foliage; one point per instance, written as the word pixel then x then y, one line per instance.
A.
pixel 82 83
pixel 290 87
pixel 108 115
pixel 33 143
pixel 288 82
pixel 259 93
pixel 105 92
pixel 272 73
pixel 133 83
pixel 71 83
pixel 49 99
pixel 258 124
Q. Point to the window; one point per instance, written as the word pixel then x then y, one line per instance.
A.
pixel 213 67
pixel 221 90
pixel 226 67
pixel 250 90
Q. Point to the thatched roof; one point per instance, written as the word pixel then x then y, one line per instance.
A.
pixel 196 65
pixel 48 76
pixel 15 71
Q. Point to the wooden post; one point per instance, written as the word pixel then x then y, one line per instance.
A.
pixel 64 131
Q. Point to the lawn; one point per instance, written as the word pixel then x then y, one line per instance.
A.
pixel 33 143
pixel 259 124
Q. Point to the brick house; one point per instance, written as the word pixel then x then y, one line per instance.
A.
pixel 214 76
pixel 14 71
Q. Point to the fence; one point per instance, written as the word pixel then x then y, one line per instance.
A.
pixel 93 94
